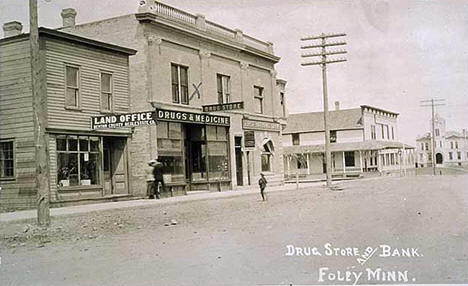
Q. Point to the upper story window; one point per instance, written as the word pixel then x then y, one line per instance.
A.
pixel 422 146
pixel 258 98
pixel 224 88
pixel 387 128
pixel 179 79
pixel 333 136
pixel 382 131
pixel 437 132
pixel 106 92
pixel 72 93
pixel 283 104
pixel 393 134
pixel 427 146
pixel 456 144
pixel 295 139
pixel 7 159
pixel 373 136
pixel 451 145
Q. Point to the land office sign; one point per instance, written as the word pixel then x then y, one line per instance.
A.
pixel 122 120
pixel 189 117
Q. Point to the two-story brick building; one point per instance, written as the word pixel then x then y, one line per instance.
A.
pixel 185 62
pixel 81 78
pixel 363 140
pixel 451 147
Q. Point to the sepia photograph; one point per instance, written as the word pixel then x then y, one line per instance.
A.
pixel 242 142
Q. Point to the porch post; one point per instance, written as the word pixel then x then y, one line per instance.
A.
pixel 344 164
pixel 308 163
pixel 360 160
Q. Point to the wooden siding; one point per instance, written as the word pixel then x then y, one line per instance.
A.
pixel 91 62
pixel 16 123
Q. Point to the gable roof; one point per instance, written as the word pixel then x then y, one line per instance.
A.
pixel 313 121
pixel 74 38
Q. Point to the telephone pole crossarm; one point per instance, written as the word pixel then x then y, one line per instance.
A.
pixel 323 45
pixel 321 63
pixel 324 54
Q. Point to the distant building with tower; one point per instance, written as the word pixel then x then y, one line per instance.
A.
pixel 451 147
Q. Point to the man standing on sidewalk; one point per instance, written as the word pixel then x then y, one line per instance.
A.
pixel 158 178
pixel 150 179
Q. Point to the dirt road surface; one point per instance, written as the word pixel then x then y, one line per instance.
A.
pixel 415 230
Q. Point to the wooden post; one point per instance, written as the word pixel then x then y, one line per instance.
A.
pixel 360 160
pixel 40 119
pixel 344 165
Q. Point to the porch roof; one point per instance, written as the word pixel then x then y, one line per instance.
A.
pixel 348 146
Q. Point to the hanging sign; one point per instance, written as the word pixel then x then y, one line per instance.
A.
pixel 189 117
pixel 249 139
pixel 122 120
pixel 223 106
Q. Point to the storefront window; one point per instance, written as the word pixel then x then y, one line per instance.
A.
pixel 218 156
pixel 170 150
pixel 72 171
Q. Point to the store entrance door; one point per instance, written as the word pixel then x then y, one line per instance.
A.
pixel 114 168
pixel 239 169
pixel 195 153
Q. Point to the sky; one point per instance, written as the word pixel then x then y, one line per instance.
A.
pixel 399 52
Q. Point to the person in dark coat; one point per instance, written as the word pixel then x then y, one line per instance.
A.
pixel 262 182
pixel 158 178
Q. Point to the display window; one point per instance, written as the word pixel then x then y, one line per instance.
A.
pixel 78 160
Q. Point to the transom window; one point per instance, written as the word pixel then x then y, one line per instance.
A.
pixel 106 91
pixel 179 78
pixel 258 98
pixel 224 88
pixel 72 93
pixel 7 160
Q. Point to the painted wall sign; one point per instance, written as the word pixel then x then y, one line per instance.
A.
pixel 189 117
pixel 122 120
pixel 260 125
pixel 223 106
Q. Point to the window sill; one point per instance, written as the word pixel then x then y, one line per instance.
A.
pixel 79 188
pixel 6 179
pixel 73 108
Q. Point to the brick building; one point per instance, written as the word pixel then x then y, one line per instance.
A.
pixel 81 78
pixel 364 141
pixel 451 147
pixel 183 63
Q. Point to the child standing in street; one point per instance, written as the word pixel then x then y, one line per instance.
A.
pixel 262 182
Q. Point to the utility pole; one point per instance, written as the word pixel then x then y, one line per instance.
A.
pixel 39 114
pixel 433 102
pixel 323 45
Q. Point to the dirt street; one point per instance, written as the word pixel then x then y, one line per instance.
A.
pixel 378 231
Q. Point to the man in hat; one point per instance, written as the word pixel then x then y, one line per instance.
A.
pixel 158 178
pixel 150 179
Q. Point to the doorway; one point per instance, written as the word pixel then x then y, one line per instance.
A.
pixel 195 153
pixel 439 158
pixel 114 166
pixel 238 151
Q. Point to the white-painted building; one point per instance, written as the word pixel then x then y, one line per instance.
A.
pixel 363 140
